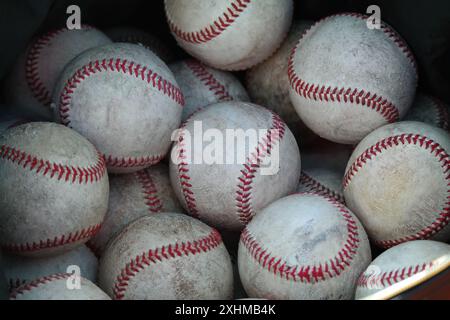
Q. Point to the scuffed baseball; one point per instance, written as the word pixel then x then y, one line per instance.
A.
pixel 347 80
pixel 229 35
pixel 53 189
pixel 22 270
pixel 132 196
pixel 227 195
pixel 268 84
pixel 400 263
pixel 304 246
pixel 167 256
pixel 325 182
pixel 137 36
pixel 30 84
pixel 59 287
pixel 202 85
pixel 125 100
pixel 397 180
pixel 430 110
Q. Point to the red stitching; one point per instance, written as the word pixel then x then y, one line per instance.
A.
pixel 411 139
pixel 154 256
pixel 150 192
pixel 243 198
pixel 349 95
pixel 183 171
pixel 34 81
pixel 131 68
pixel 208 80
pixel 130 162
pixel 57 241
pixel 54 170
pixel 314 185
pixel 331 268
pixel 38 282
pixel 388 278
pixel 216 28
pixel 442 114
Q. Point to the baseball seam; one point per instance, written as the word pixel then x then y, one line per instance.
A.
pixel 131 162
pixel 57 171
pixel 331 268
pixel 361 97
pixel 32 76
pixel 38 282
pixel 442 115
pixel 313 185
pixel 244 186
pixel 183 170
pixel 388 278
pixel 215 29
pixel 208 79
pixel 150 192
pixel 157 255
pixel 408 139
pixel 57 241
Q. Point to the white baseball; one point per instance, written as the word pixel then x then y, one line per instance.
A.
pixel 229 35
pixel 400 263
pixel 167 256
pixel 304 246
pixel 326 182
pixel 430 110
pixel 228 194
pixel 31 82
pixel 268 84
pixel 55 287
pixel 53 189
pixel 397 183
pixel 202 85
pixel 137 36
pixel 132 196
pixel 125 100
pixel 22 270
pixel 347 80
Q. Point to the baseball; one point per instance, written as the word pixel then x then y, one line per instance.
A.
pixel 229 35
pixel 347 80
pixel 32 79
pixel 400 263
pixel 132 196
pixel 55 287
pixel 22 270
pixel 53 189
pixel 322 181
pixel 227 194
pixel 202 85
pixel 304 246
pixel 397 183
pixel 125 100
pixel 133 35
pixel 167 256
pixel 268 84
pixel 429 110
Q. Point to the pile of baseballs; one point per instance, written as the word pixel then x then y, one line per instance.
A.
pixel 105 194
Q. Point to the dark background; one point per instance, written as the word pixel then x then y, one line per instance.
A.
pixel 424 24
